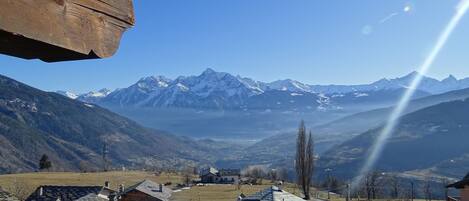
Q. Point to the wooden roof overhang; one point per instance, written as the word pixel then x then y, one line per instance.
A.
pixel 63 30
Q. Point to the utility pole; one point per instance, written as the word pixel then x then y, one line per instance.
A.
pixel 348 192
pixel 412 191
pixel 328 171
pixel 105 160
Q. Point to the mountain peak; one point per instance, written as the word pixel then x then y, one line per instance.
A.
pixel 450 78
pixel 411 74
pixel 153 81
pixel 212 74
pixel 209 71
pixel 155 78
pixel 105 91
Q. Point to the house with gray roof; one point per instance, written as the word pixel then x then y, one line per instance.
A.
pixel 145 191
pixel 273 193
pixel 222 176
pixel 93 197
pixel 69 193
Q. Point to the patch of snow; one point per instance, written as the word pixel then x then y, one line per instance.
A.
pixel 337 95
pixel 68 94
pixel 89 105
pixel 296 94
pixel 357 94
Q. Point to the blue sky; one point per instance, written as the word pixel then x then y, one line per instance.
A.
pixel 313 41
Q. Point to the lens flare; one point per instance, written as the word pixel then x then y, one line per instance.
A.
pixel 407 8
pixel 393 119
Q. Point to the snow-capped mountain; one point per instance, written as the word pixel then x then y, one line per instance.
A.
pixel 67 94
pixel 428 84
pixel 220 90
pixel 210 89
pixel 288 85
pixel 94 96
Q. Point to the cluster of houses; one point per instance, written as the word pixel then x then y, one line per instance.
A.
pixel 142 191
pixel 222 176
pixel 147 190
pixel 233 176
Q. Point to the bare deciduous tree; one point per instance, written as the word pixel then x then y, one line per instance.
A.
pixel 85 167
pixel 372 185
pixel 256 173
pixel 444 182
pixel 187 175
pixel 273 175
pixel 282 174
pixel 427 189
pixel 395 186
pixel 304 163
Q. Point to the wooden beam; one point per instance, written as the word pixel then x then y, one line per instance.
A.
pixel 61 30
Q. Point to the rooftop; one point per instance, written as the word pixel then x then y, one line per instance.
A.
pixel 207 171
pixel 65 193
pixel 92 197
pixel 151 188
pixel 272 194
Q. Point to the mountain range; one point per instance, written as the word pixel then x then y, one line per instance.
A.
pixel 73 130
pixel 219 90
pixel 346 118
pixel 73 134
pixel 213 104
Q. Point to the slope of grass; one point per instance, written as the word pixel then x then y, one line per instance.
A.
pixel 25 184
pixel 223 192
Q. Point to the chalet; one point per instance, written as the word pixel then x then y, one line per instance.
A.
pixel 71 193
pixel 145 191
pixel 222 176
pixel 5 196
pixel 269 194
pixel 209 175
pixel 463 187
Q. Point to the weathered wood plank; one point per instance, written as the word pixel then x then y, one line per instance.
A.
pixel 58 30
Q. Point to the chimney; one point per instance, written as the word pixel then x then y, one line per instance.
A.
pixel 41 191
pixel 106 184
pixel 161 187
pixel 121 188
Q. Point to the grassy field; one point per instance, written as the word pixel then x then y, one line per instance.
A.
pixel 222 192
pixel 24 184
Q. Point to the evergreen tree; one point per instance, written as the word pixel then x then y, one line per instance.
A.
pixel 44 163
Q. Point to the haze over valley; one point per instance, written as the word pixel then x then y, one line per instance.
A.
pixel 210 107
